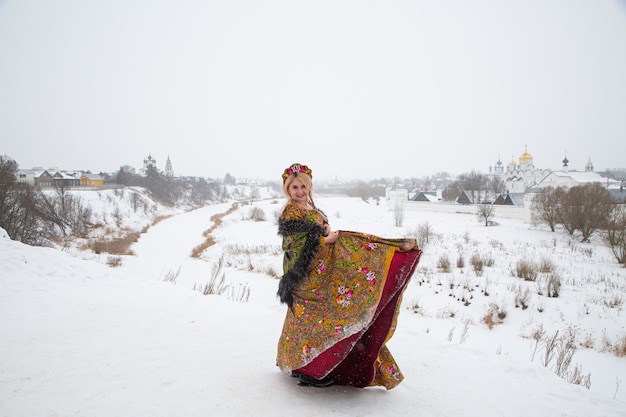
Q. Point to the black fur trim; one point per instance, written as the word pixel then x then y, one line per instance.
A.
pixel 302 265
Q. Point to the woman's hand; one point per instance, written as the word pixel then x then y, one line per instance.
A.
pixel 332 237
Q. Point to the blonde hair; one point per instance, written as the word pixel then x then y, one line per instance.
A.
pixel 306 180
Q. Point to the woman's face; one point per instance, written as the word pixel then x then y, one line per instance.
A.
pixel 298 192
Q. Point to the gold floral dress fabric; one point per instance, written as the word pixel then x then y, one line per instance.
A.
pixel 339 296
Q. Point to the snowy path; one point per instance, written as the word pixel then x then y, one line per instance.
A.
pixel 167 246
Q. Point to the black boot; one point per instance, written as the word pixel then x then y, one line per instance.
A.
pixel 305 381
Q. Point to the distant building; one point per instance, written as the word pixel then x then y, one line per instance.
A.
pixel 65 179
pixel 397 193
pixel 518 177
pixel 246 181
pixel 169 172
pixel 148 163
pixel 618 194
pixel 91 180
pixel 463 198
pixel 53 177
pixel 29 176
pixel 510 199
pixel 44 180
pixel 570 179
pixel 427 196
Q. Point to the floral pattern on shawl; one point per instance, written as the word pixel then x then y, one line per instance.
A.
pixel 338 297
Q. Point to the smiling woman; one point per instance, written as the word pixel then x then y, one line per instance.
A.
pixel 343 290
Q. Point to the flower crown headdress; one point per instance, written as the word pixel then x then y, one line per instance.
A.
pixel 295 169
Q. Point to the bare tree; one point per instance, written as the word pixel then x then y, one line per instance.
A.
pixel 425 232
pixel 495 185
pixel 50 212
pixel 8 183
pixel 255 195
pixel 485 213
pixel 21 217
pixel 25 212
pixel 229 179
pixel 569 214
pixel 17 205
pixel 451 192
pixel 616 173
pixel 475 184
pixel 546 206
pixel 26 220
pixel 398 213
pixel 597 208
pixel 78 216
pixel 586 209
pixel 615 233
pixel 62 194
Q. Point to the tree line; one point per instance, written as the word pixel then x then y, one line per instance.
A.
pixel 171 191
pixel 27 214
pixel 583 211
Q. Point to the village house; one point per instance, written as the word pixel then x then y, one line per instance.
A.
pixel 91 180
pixel 65 179
pixel 53 177
pixel 43 180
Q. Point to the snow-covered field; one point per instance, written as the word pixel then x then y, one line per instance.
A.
pixel 79 338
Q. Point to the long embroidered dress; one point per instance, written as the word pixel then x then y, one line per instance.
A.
pixel 345 308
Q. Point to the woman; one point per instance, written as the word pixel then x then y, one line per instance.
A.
pixel 343 290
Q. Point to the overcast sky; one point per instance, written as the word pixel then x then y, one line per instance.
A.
pixel 355 89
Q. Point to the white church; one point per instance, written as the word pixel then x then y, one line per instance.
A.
pixel 523 176
pixel 150 162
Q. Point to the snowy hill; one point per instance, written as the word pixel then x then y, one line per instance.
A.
pixel 80 338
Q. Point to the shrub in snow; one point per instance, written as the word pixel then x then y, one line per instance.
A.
pixel 114 261
pixel 527 270
pixel 460 261
pixel 443 263
pixel 553 285
pixel 477 264
pixel 257 214
pixel 495 315
pixel 522 297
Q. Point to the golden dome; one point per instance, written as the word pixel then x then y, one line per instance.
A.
pixel 525 158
